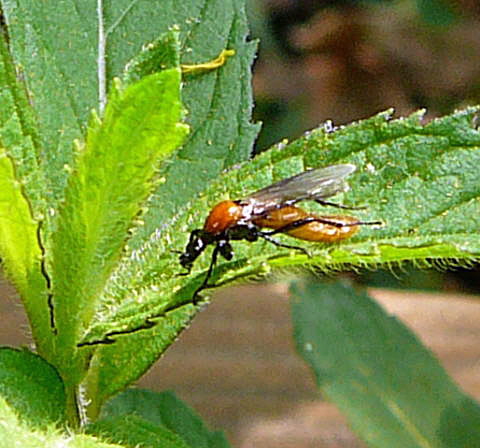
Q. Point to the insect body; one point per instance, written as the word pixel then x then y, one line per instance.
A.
pixel 274 208
pixel 298 223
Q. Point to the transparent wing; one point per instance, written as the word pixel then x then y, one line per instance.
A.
pixel 320 183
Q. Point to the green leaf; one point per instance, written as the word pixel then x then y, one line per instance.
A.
pixel 113 176
pixel 133 431
pixel 162 410
pixel 18 231
pixel 161 54
pixel 419 180
pixel 15 433
pixel 114 365
pixel 390 387
pixel 22 203
pixel 32 387
pixel 20 251
pixel 54 46
pixel 19 133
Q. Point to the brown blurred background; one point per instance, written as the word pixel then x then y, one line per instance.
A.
pixel 320 60
pixel 348 59
pixel 237 367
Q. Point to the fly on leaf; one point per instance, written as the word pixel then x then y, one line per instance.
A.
pixel 274 207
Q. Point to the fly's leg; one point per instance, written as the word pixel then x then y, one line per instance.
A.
pixel 266 236
pixel 205 284
pixel 183 274
pixel 297 224
pixel 305 221
pixel 333 204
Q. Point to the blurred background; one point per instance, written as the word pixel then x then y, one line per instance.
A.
pixel 318 60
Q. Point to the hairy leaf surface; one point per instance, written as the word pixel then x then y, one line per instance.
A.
pixel 418 179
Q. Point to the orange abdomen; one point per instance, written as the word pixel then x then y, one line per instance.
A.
pixel 224 215
pixel 312 231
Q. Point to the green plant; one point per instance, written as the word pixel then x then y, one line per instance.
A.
pixel 87 230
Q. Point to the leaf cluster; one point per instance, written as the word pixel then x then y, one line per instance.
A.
pixel 94 205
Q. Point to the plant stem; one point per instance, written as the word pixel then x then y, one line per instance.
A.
pixel 73 417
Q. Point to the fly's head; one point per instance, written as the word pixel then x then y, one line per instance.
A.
pixel 198 242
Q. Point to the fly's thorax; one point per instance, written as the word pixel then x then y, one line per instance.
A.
pixel 224 215
pixel 250 207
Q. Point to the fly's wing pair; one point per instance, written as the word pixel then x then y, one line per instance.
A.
pixel 319 183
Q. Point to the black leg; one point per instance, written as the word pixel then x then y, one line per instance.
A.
pixel 266 236
pixel 330 222
pixel 205 284
pixel 364 223
pixel 333 204
pixel 300 223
